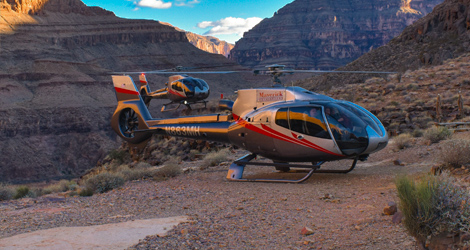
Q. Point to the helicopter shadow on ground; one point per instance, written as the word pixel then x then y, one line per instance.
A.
pixel 380 169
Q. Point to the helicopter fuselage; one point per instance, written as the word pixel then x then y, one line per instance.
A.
pixel 288 124
pixel 285 124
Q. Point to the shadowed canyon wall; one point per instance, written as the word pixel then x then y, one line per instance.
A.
pixel 56 95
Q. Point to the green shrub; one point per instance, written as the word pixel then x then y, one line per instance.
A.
pixel 104 182
pixel 437 134
pixel 403 141
pixel 23 191
pixel 6 192
pixel 214 158
pixel 85 192
pixel 433 205
pixel 455 153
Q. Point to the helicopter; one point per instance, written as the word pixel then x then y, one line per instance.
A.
pixel 289 125
pixel 180 89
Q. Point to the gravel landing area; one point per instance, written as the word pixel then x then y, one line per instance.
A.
pixel 344 210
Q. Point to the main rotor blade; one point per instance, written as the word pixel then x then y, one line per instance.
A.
pixel 341 71
pixel 328 71
pixel 178 72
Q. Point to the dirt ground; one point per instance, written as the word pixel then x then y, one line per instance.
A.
pixel 344 211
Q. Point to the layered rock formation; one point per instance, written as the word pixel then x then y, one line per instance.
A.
pixel 207 43
pixel 441 35
pixel 210 44
pixel 56 96
pixel 326 34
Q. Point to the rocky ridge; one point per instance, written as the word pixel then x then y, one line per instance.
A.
pixel 56 94
pixel 207 43
pixel 409 103
pixel 210 44
pixel 441 35
pixel 326 34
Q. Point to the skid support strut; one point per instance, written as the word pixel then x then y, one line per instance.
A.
pixel 235 172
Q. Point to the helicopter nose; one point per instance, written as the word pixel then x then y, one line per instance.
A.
pixel 376 142
pixel 201 93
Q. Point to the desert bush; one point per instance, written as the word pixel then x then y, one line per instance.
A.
pixel 23 191
pixel 455 153
pixel 104 182
pixel 433 205
pixel 61 186
pixel 85 192
pixel 417 133
pixel 403 141
pixel 6 192
pixel 394 103
pixel 137 173
pixel 170 168
pixel 119 155
pixel 214 158
pixel 437 134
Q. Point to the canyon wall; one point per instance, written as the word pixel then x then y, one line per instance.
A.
pixel 326 34
pixel 442 34
pixel 56 95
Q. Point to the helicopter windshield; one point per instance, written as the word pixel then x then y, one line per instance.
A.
pixel 188 87
pixel 365 115
pixel 348 129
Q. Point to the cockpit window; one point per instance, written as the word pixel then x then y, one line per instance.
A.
pixel 348 129
pixel 177 86
pixel 305 120
pixel 281 118
pixel 365 115
pixel 308 121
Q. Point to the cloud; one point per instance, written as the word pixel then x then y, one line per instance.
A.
pixel 186 3
pixel 155 4
pixel 229 25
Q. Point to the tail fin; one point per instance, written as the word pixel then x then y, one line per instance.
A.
pixel 125 88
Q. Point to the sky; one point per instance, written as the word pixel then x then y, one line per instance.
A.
pixel 226 20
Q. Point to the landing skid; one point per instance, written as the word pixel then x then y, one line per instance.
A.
pixel 235 172
pixel 187 104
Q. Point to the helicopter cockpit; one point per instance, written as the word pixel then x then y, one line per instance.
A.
pixel 192 87
pixel 349 125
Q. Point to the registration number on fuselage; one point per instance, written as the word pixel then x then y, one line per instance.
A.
pixel 183 130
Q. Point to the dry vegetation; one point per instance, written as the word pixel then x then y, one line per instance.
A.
pixel 161 159
pixel 407 102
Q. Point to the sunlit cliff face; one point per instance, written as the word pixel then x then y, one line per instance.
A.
pixel 14 13
pixel 406 8
pixel 24 6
